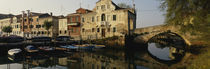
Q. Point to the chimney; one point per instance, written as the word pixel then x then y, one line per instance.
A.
pixel 23 13
pixel 28 13
pixel 51 14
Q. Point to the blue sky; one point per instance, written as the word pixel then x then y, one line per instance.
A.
pixel 148 13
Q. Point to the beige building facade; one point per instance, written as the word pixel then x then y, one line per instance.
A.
pixel 107 20
pixel 3 23
pixel 63 29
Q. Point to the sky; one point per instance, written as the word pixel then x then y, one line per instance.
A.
pixel 148 12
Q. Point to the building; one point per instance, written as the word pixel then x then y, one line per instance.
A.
pixel 63 29
pixel 33 24
pixel 3 23
pixel 107 20
pixel 2 16
pixel 74 23
pixel 15 24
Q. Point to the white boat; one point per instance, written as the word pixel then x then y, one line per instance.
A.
pixel 12 52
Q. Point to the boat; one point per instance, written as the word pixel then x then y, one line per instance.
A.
pixel 86 46
pixel 14 53
pixel 41 39
pixel 70 47
pixel 99 46
pixel 46 48
pixel 31 49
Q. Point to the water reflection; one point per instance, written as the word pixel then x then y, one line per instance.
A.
pixel 156 56
pixel 166 52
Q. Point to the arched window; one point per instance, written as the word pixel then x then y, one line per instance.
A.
pixel 103 17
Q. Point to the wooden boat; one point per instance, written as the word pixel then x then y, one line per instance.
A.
pixel 70 47
pixel 46 48
pixel 86 46
pixel 31 49
pixel 99 46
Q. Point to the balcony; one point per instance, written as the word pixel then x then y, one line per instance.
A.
pixel 74 24
pixel 105 24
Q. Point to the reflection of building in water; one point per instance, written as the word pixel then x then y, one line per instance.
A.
pixel 93 61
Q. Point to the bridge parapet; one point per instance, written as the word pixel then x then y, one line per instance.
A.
pixel 149 32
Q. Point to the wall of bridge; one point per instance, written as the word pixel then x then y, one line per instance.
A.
pixel 147 33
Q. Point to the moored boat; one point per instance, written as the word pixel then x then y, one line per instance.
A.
pixel 86 46
pixel 31 49
pixel 14 53
pixel 70 47
pixel 99 46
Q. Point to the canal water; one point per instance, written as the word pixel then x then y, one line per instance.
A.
pixel 156 54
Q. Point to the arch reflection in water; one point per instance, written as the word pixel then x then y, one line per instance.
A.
pixel 166 52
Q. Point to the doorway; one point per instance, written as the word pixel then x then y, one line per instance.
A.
pixel 103 32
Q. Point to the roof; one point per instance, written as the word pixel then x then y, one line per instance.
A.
pixel 2 16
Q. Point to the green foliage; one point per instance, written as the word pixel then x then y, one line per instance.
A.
pixel 191 15
pixel 48 25
pixel 7 29
pixel 123 5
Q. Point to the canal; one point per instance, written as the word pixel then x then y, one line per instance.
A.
pixel 158 54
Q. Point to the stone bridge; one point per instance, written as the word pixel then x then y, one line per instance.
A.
pixel 145 34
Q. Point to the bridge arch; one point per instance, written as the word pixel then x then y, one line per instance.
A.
pixel 169 34
pixel 147 37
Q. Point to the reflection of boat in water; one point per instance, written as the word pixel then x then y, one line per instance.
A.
pixel 14 53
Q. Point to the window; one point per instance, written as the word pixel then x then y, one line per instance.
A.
pixel 60 32
pixel 114 29
pixel 114 17
pixel 93 29
pixel 70 19
pixel 98 30
pixel 83 30
pixel 72 30
pixel 31 26
pixel 65 32
pixel 108 30
pixel 97 7
pixel 103 17
pixel 37 20
pixel 93 19
pixel 83 19
pixel 108 6
pixel 25 27
pixel 103 7
pixel 38 26
pixel 42 32
pixel 17 26
pixel 77 19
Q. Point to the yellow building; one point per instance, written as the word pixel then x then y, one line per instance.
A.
pixel 107 20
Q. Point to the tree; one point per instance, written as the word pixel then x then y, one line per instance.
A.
pixel 123 5
pixel 7 29
pixel 47 26
pixel 191 15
